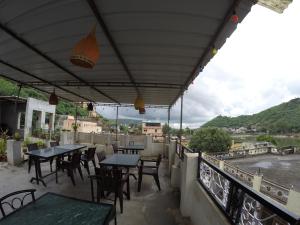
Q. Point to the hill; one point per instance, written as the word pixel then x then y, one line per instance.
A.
pixel 63 107
pixel 283 118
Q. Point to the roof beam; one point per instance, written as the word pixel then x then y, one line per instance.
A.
pixel 24 84
pixel 111 40
pixel 113 84
pixel 44 81
pixel 49 59
pixel 198 68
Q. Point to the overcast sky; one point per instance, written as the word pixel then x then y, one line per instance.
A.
pixel 258 67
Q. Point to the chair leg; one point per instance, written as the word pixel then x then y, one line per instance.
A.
pixel 86 166
pixel 116 219
pixel 94 163
pixel 29 164
pixel 80 172
pixel 120 196
pixel 140 182
pixel 72 176
pixel 51 161
pixel 128 189
pixel 157 181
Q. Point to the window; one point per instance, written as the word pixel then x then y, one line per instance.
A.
pixel 155 130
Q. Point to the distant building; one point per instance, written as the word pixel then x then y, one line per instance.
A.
pixel 153 129
pixel 83 125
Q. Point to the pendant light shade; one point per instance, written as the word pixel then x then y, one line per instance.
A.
pixel 142 110
pixel 139 103
pixel 86 51
pixel 90 107
pixel 53 99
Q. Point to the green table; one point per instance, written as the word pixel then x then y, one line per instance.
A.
pixel 54 209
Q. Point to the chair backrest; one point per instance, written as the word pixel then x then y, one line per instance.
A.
pixel 115 148
pixel 101 156
pixel 16 200
pixel 75 161
pixel 53 144
pixel 90 154
pixel 32 147
pixel 108 179
pixel 131 143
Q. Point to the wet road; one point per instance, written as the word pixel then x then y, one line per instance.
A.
pixel 284 170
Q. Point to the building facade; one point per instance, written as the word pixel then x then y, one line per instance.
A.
pixel 153 129
pixel 83 126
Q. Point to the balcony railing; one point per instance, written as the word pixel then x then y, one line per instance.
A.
pixel 239 203
pixel 181 149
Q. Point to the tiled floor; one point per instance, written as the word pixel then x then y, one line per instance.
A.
pixel 149 207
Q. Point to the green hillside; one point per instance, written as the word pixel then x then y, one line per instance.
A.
pixel 64 108
pixel 283 118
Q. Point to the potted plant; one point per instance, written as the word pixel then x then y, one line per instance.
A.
pixel 3 140
pixel 13 149
pixel 2 150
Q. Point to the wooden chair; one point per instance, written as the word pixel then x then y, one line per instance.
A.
pixel 88 156
pixel 151 170
pixel 101 156
pixel 16 200
pixel 110 181
pixel 32 147
pixel 71 166
pixel 54 144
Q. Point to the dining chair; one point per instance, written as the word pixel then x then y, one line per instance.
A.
pixel 16 200
pixel 32 147
pixel 88 156
pixel 116 149
pixel 110 180
pixel 71 166
pixel 101 156
pixel 151 170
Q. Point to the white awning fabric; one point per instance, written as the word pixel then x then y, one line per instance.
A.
pixel 155 48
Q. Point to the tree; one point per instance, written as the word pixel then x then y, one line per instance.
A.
pixel 267 138
pixel 210 140
pixel 166 129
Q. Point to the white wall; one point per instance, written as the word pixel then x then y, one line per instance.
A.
pixel 194 201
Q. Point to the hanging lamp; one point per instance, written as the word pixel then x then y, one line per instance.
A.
pixel 142 110
pixel 86 51
pixel 139 103
pixel 90 107
pixel 53 99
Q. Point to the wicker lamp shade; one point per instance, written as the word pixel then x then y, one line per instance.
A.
pixel 139 103
pixel 86 51
pixel 53 99
pixel 90 107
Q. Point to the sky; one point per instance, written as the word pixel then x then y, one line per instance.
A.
pixel 257 68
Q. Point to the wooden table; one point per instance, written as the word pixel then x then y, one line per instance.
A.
pixel 48 153
pixel 52 209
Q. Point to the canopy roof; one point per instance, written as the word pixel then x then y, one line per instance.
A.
pixel 155 48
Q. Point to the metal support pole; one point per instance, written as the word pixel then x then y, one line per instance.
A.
pixel 181 107
pixel 117 118
pixel 16 106
pixel 75 130
pixel 169 138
